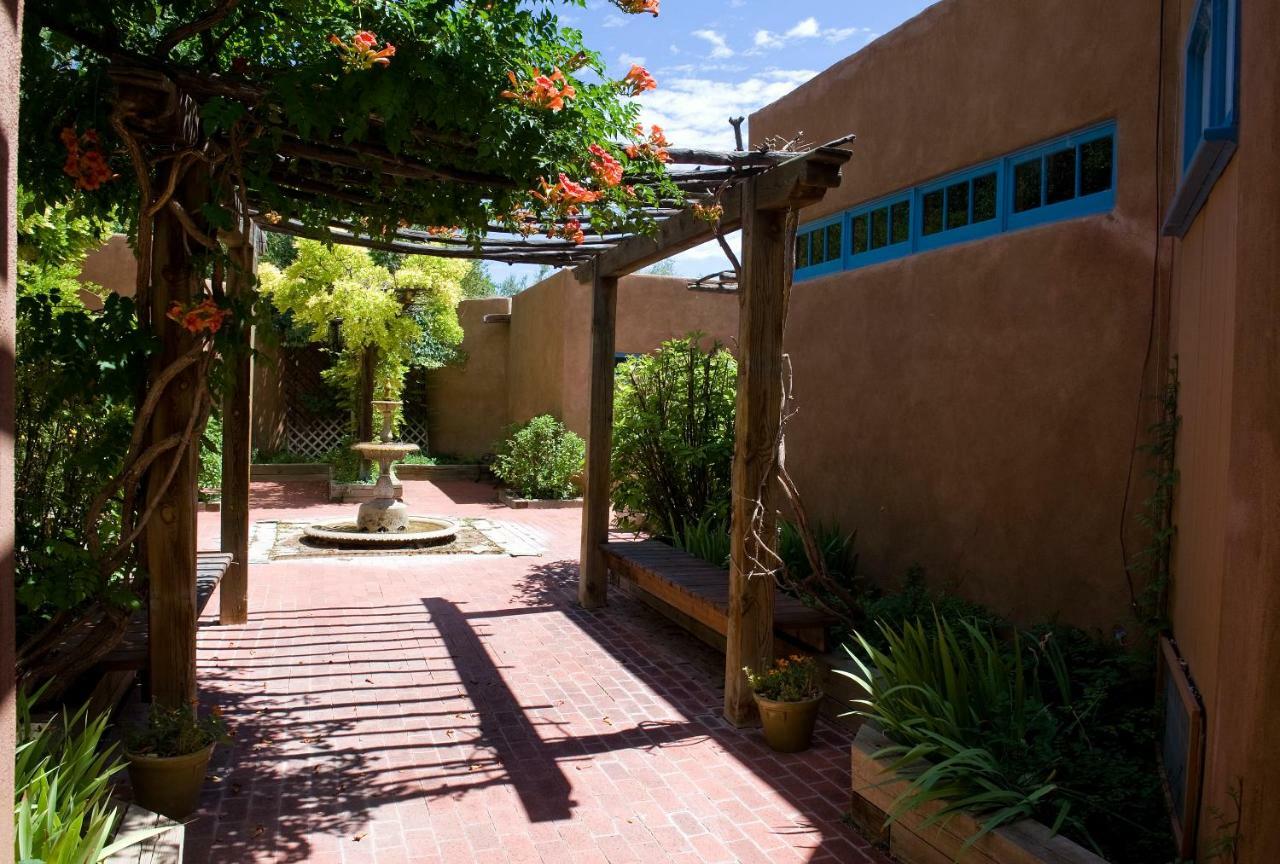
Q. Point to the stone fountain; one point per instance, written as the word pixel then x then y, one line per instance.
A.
pixel 384 521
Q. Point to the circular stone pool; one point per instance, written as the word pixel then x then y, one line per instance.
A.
pixel 420 531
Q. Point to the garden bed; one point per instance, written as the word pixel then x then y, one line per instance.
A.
pixel 411 471
pixel 295 472
pixel 875 788
pixel 510 499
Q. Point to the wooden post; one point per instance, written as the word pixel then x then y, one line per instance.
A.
pixel 237 421
pixel 767 236
pixel 11 28
pixel 170 536
pixel 593 583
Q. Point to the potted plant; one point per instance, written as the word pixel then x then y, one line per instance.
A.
pixel 788 696
pixel 168 758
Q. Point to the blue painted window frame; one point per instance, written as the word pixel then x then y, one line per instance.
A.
pixel 1005 219
pixel 1210 107
pixel 1072 208
pixel 970 230
pixel 833 264
pixel 894 248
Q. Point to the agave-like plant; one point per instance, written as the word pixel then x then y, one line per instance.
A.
pixel 63 812
pixel 959 705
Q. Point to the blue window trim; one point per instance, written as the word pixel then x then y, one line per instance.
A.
pixel 1209 134
pixel 893 249
pixel 972 230
pixel 1079 205
pixel 1005 219
pixel 831 265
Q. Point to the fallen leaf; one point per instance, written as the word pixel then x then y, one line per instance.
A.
pixel 360 836
pixel 258 830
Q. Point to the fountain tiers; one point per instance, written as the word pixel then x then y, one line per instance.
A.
pixel 384 521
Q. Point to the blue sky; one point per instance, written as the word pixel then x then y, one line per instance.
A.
pixel 715 59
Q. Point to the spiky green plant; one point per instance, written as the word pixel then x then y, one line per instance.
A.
pixel 972 721
pixel 706 538
pixel 63 813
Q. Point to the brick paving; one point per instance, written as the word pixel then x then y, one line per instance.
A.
pixel 459 709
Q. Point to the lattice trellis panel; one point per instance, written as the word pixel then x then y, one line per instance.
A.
pixel 315 437
pixel 414 431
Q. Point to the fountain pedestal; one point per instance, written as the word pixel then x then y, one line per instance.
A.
pixel 384 521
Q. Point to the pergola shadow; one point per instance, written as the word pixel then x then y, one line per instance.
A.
pixel 314 768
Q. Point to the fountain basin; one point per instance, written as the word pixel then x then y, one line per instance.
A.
pixel 418 531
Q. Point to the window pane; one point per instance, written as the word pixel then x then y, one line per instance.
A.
pixel 802 250
pixel 859 233
pixel 958 205
pixel 834 250
pixel 984 197
pixel 816 255
pixel 932 212
pixel 1026 186
pixel 879 227
pixel 1062 176
pixel 1095 166
pixel 900 219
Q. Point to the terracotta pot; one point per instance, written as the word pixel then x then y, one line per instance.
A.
pixel 788 726
pixel 169 785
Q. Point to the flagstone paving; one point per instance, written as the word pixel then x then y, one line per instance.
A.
pixel 463 709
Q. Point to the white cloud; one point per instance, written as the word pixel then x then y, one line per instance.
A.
pixel 719 48
pixel 694 108
pixel 614 21
pixel 765 39
pixel 806 29
pixel 809 28
pixel 628 60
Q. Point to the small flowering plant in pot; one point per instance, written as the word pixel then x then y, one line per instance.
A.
pixel 169 757
pixel 787 696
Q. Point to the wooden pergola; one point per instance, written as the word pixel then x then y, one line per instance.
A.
pixel 760 192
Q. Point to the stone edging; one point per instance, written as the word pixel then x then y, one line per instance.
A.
pixel 507 497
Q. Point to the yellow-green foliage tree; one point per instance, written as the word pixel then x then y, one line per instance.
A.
pixel 409 316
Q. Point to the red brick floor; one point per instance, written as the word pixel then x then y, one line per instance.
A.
pixel 432 709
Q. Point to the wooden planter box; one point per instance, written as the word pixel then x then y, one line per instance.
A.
pixel 163 848
pixel 296 472
pixel 876 787
pixel 507 497
pixel 440 472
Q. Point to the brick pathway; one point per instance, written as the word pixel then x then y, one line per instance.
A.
pixel 433 709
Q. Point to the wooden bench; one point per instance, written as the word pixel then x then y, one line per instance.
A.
pixel 700 590
pixel 132 653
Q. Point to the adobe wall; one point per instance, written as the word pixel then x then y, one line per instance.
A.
pixel 651 310
pixel 1225 599
pixel 467 402
pixel 972 408
pixel 113 266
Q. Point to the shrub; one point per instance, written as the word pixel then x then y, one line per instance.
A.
pixel 211 455
pixel 673 434
pixel 916 602
pixel 540 459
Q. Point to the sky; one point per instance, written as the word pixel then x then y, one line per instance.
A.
pixel 716 59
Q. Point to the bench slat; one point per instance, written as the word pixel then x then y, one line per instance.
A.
pixel 701 590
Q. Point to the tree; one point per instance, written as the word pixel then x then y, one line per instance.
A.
pixel 477 283
pixel 344 284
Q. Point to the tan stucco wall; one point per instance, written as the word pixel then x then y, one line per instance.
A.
pixel 113 267
pixel 1225 599
pixel 467 402
pixel 972 409
pixel 538 363
pixel 651 310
